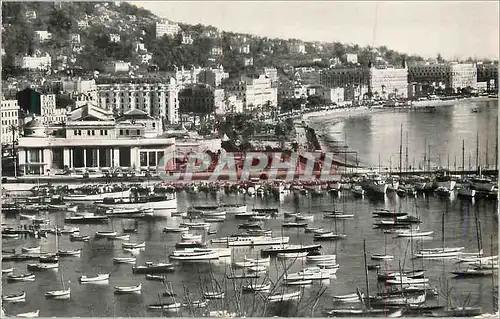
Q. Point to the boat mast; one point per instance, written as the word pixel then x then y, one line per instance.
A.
pixel 442 226
pixel 477 150
pixel 425 153
pixel 463 155
pixel 406 150
pixel 401 151
pixel 486 158
pixel 366 276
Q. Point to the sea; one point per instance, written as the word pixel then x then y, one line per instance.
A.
pixel 371 136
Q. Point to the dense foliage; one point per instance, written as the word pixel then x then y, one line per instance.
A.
pixel 136 25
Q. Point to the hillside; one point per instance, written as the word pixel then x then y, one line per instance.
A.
pixel 95 22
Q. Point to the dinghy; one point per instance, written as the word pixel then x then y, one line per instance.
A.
pixel 285 297
pixel 98 278
pixel 23 277
pixel 19 297
pixel 128 289
pixel 32 314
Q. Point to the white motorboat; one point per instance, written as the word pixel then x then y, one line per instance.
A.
pixel 128 289
pixel 165 306
pixel 32 314
pixel 214 295
pixel 59 294
pixel 196 304
pixel 98 278
pixel 234 208
pixel 292 255
pixel 214 214
pixel 98 197
pixel 257 287
pixel 31 250
pixel 285 296
pixel 19 297
pixel 70 230
pixel 7 270
pixel 298 282
pixel 134 245
pixel 193 237
pixel 151 202
pixel 382 257
pixel 414 234
pixel 194 255
pixel 321 258
pixel 338 216
pixel 403 280
pixel 124 260
pixel 195 225
pixel 258 241
pixel 314 230
pixel 439 252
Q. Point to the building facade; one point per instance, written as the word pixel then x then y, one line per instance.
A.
pixel 157 99
pixel 351 58
pixel 213 77
pixel 296 47
pixel 117 66
pixel 93 140
pixel 455 76
pixel 462 75
pixel 201 99
pixel 9 121
pixel 254 92
pixel 166 28
pixel 488 74
pixel 389 82
pixel 34 62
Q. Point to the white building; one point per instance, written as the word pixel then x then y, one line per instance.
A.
pixel 50 114
pixel 82 24
pixel 78 85
pixel 146 57
pixel 93 140
pixel 10 119
pixel 213 77
pixel 30 14
pixel 351 58
pixel 187 38
pixel 139 47
pixel 462 75
pixel 244 48
pixel 233 105
pixel 388 82
pixel 296 47
pixel 156 99
pixel 118 66
pixel 113 37
pixel 34 62
pixel 271 73
pixel 184 77
pixel 166 28
pixel 255 93
pixel 248 61
pixel 334 95
pixel 41 36
pixel 75 38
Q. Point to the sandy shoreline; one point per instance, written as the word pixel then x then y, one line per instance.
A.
pixel 316 120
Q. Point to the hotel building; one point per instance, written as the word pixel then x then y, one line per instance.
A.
pixel 455 76
pixel 388 82
pixel 156 97
pixel 254 92
pixel 166 28
pixel 10 118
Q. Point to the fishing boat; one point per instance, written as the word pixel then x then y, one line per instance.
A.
pixel 292 255
pixel 257 268
pixel 312 273
pixel 134 245
pixel 439 252
pixel 328 236
pixel 249 226
pixel 49 258
pixel 381 213
pixel 59 294
pixel 284 296
pixel 301 217
pixel 397 299
pixel 97 278
pixel 314 229
pixel 258 261
pixel 196 304
pixel 43 266
pixel 156 202
pixel 414 234
pixel 257 287
pixel 175 229
pixel 188 236
pixel 32 314
pixel 128 289
pixel 69 253
pixel 124 260
pixel 151 267
pixel 393 275
pixel 298 282
pixel 294 225
pixel 274 250
pixel 348 298
pixel 194 225
pixel 338 216
pixel 79 238
pixel 234 208
pixel 22 277
pixel 105 234
pixel 165 306
pixel 214 295
pixel 119 237
pixel 7 270
pixel 473 272
pixel 155 277
pixel 70 230
pixel 482 184
pixel 86 219
pixel 258 241
pixel 243 276
pixel 97 197
pixel 18 297
pixel 320 258
pixel 194 255
pixel 31 250
pixel 403 280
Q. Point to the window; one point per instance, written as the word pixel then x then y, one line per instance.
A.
pixel 153 125
pixel 105 132
pixel 138 132
pixel 127 132
pixel 75 132
pixel 121 132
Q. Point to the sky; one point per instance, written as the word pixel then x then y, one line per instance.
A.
pixel 454 29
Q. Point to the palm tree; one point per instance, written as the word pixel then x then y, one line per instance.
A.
pixel 14 128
